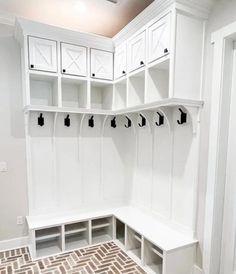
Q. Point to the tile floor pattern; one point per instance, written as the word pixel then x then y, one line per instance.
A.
pixel 106 258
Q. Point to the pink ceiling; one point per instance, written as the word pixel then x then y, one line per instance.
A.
pixel 96 16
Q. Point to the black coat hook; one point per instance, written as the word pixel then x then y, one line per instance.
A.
pixel 129 123
pixel 161 120
pixel 67 121
pixel 113 122
pixel 143 123
pixel 41 120
pixel 91 122
pixel 183 117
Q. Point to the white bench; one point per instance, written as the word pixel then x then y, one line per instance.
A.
pixel 152 244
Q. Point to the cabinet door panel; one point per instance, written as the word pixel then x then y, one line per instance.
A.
pixel 136 51
pixel 120 61
pixel 101 64
pixel 42 54
pixel 74 59
pixel 159 39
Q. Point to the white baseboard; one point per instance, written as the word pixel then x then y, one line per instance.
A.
pixel 197 270
pixel 14 243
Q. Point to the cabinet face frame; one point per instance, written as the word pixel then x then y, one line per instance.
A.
pixel 32 64
pixel 137 58
pixel 162 29
pixel 83 68
pixel 120 61
pixel 93 71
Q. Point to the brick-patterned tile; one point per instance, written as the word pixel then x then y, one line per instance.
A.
pixel 106 258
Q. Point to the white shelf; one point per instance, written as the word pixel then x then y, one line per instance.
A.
pixel 47 248
pixel 136 89
pixel 154 268
pixel 101 95
pixel 73 243
pixel 100 237
pixel 75 228
pixel 48 233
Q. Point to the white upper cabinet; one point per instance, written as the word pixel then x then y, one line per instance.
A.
pixel 120 61
pixel 73 59
pixel 101 64
pixel 136 51
pixel 42 54
pixel 159 39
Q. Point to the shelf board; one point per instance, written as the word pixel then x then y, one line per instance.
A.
pixel 75 231
pixel 154 268
pixel 162 63
pixel 76 244
pixel 101 226
pixel 138 238
pixel 97 239
pixel 47 234
pixel 157 252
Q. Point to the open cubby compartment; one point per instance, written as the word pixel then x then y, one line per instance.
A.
pixel 48 241
pixel 120 94
pixel 102 230
pixel 101 95
pixel 134 242
pixel 74 93
pixel 158 82
pixel 120 231
pixel 136 89
pixel 43 90
pixel 153 258
pixel 76 235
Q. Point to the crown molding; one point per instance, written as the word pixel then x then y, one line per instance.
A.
pixel 7 18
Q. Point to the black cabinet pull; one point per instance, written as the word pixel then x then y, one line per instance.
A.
pixel 64 71
pixel 165 50
pixel 141 63
pixel 123 72
pixel 31 66
pixel 93 74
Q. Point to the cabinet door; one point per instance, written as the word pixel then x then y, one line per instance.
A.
pixel 159 39
pixel 73 59
pixel 101 64
pixel 42 54
pixel 120 61
pixel 136 51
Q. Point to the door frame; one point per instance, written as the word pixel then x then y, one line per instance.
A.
pixel 222 42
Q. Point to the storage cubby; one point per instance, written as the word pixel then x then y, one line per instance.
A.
pixel 74 93
pixel 153 258
pixel 102 230
pixel 76 235
pixel 136 89
pixel 158 82
pixel 101 95
pixel 120 231
pixel 43 90
pixel 48 241
pixel 134 242
pixel 120 94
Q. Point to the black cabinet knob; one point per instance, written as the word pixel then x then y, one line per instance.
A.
pixel 31 66
pixel 123 72
pixel 141 63
pixel 93 74
pixel 165 50
pixel 64 71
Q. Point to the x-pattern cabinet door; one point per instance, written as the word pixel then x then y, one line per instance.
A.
pixel 42 54
pixel 136 51
pixel 159 39
pixel 74 59
pixel 101 64
pixel 120 61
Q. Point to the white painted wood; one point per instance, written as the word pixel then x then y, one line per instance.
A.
pixel 42 54
pixel 73 59
pixel 136 51
pixel 101 64
pixel 159 39
pixel 14 243
pixel 120 64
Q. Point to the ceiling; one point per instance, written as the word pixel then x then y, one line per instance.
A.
pixel 95 16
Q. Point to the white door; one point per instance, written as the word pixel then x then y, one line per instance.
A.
pixel 159 39
pixel 73 59
pixel 42 54
pixel 120 61
pixel 101 64
pixel 136 51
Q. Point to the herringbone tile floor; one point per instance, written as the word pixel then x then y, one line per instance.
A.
pixel 106 258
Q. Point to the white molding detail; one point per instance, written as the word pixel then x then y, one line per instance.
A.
pixel 14 243
pixel 7 18
pixel 197 270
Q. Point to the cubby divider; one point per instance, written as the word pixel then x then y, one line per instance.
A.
pixel 120 231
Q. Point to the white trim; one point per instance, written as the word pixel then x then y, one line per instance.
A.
pixel 197 270
pixel 14 243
